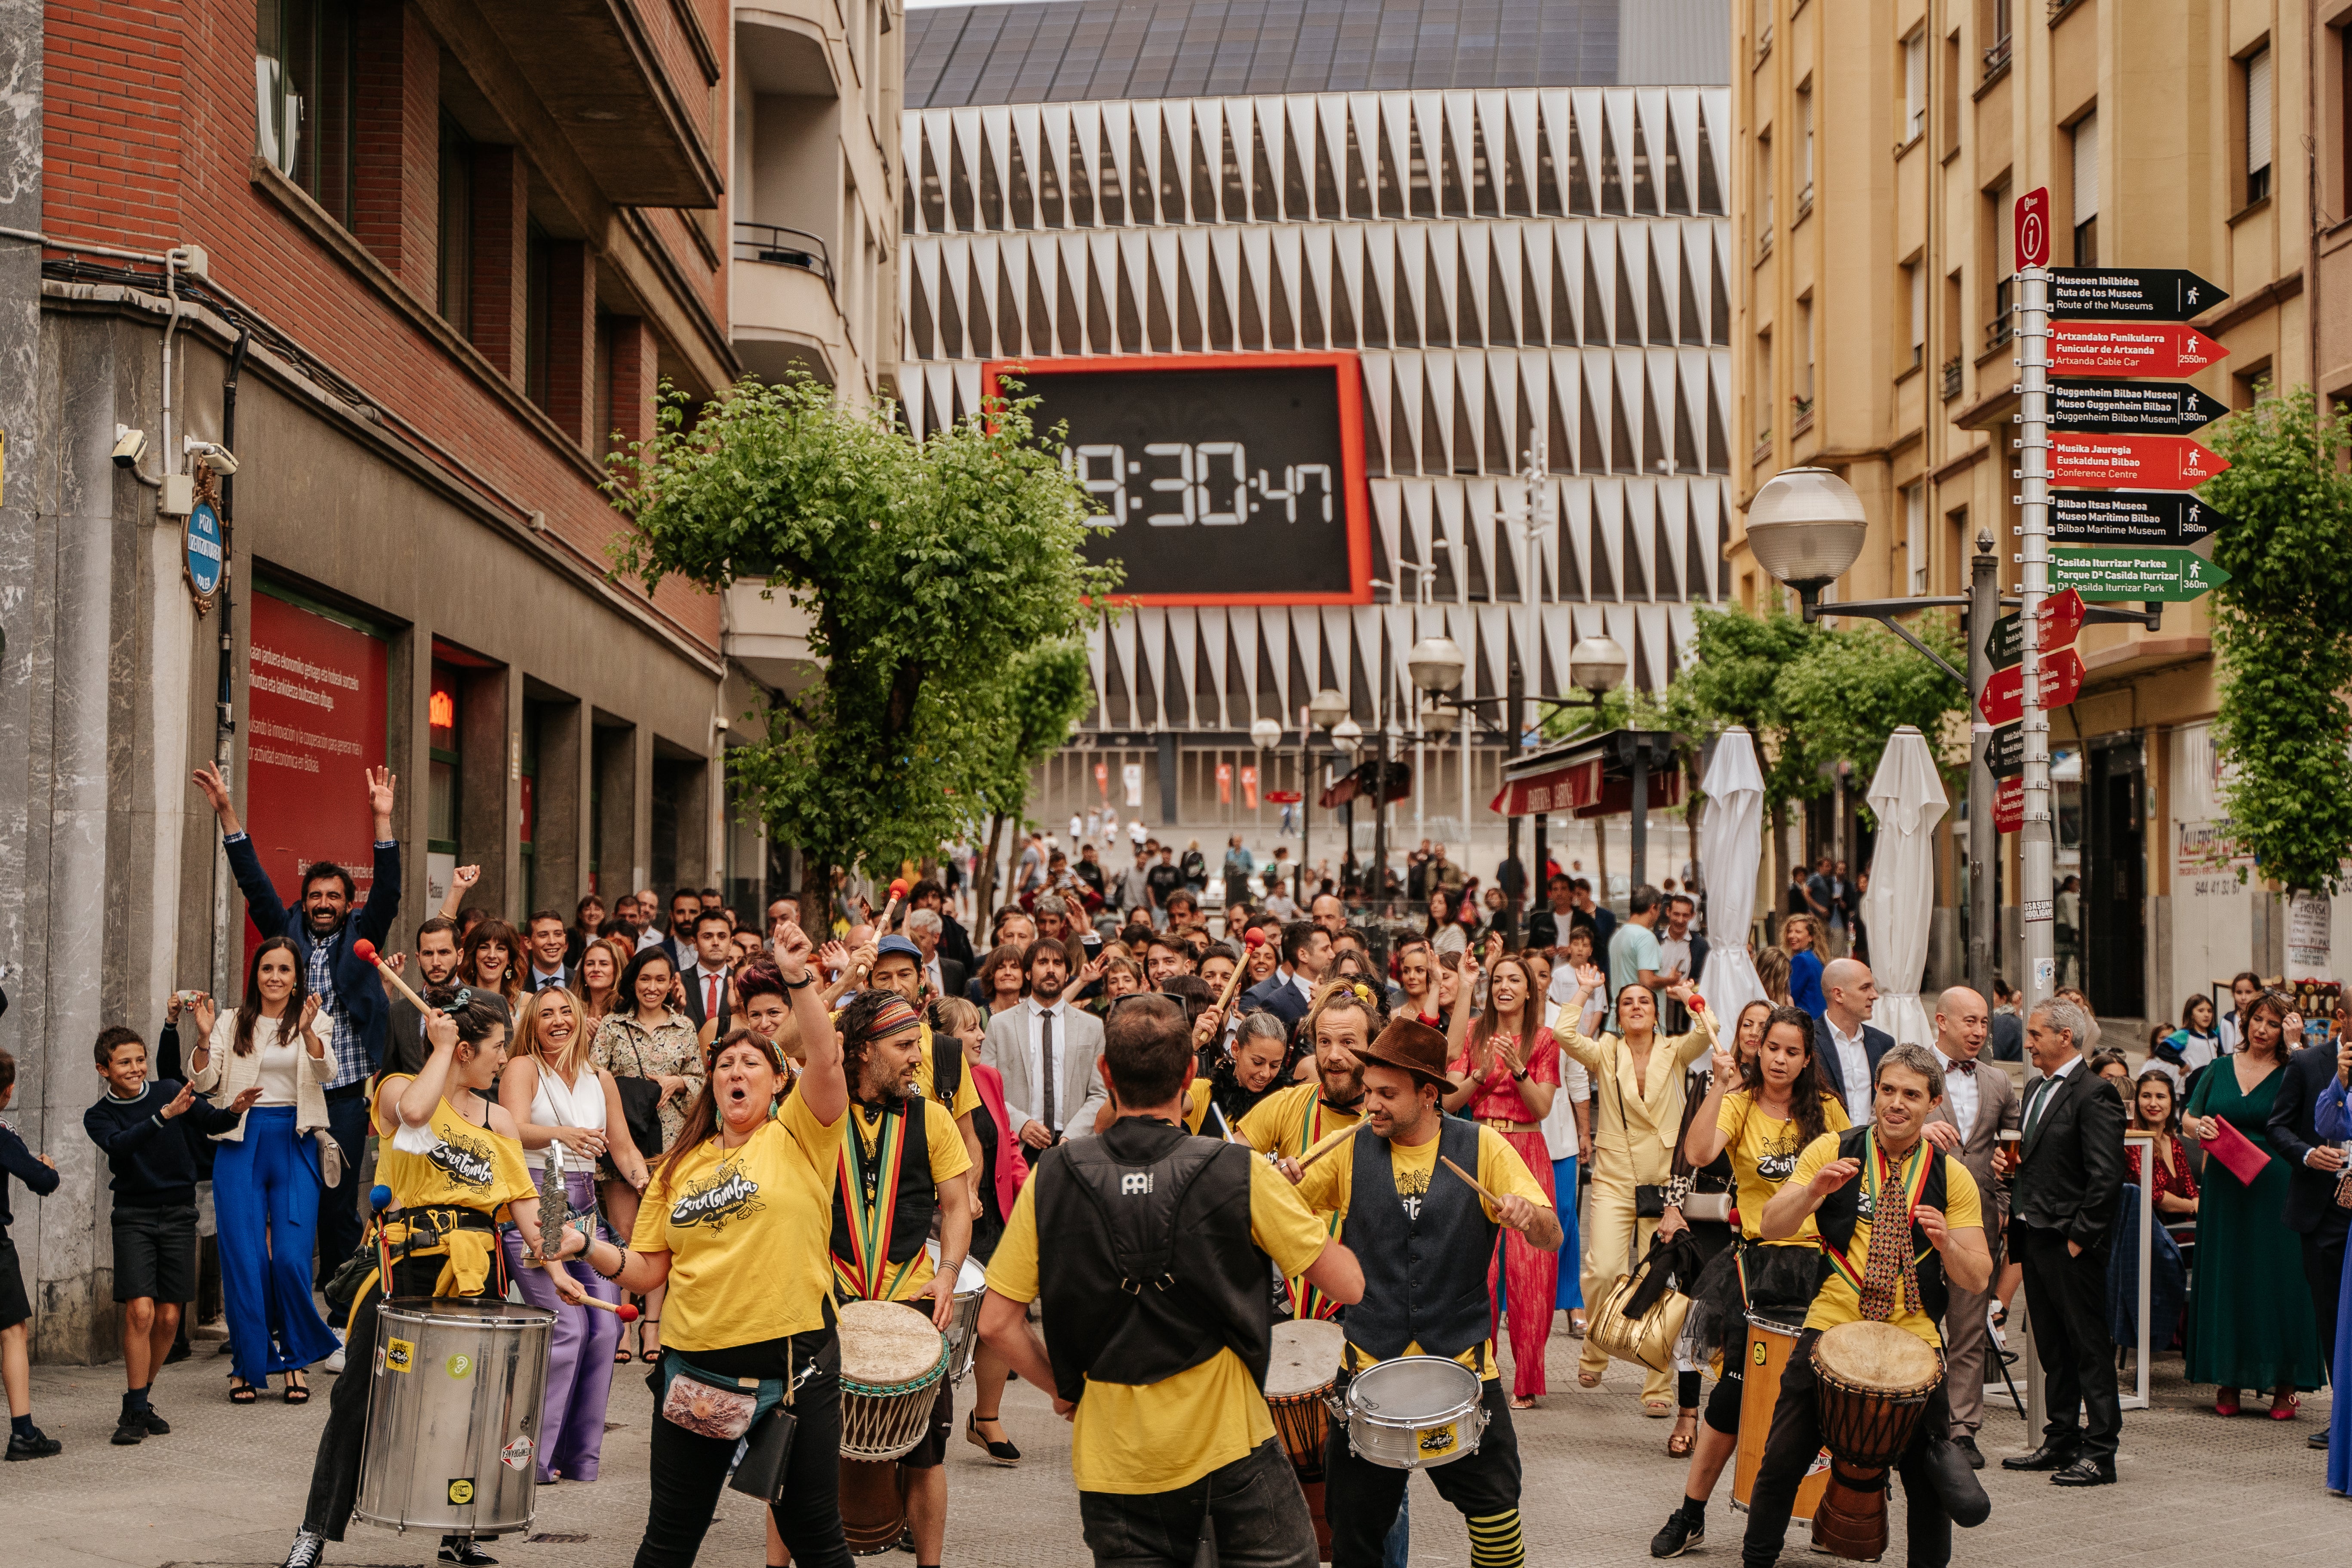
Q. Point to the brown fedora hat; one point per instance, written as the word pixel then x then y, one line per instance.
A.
pixel 1410 1046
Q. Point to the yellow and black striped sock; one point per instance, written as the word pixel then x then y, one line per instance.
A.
pixel 1495 1540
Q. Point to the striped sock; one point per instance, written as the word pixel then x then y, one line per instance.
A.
pixel 1495 1540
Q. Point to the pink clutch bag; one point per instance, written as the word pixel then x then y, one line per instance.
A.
pixel 2239 1155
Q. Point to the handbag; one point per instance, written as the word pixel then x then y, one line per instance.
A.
pixel 1646 1338
pixel 759 1471
pixel 1648 1197
pixel 2239 1155
pixel 641 1106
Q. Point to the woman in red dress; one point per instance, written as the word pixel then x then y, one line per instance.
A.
pixel 2156 1109
pixel 1506 1069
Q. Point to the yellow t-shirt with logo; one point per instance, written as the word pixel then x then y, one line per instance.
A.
pixel 948 1159
pixel 1133 1439
pixel 1764 1150
pixel 1330 1180
pixel 1838 1302
pixel 466 1166
pixel 1290 1121
pixel 749 1231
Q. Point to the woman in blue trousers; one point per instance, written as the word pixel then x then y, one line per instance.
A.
pixel 266 1176
pixel 2333 1121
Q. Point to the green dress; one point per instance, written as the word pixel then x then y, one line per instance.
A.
pixel 2250 1323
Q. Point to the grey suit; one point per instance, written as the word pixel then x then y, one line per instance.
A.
pixel 1079 1092
pixel 1968 1341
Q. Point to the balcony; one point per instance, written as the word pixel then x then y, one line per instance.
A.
pixel 782 246
pixel 787 315
pixel 1951 378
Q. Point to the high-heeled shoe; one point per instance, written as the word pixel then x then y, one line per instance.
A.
pixel 1003 1454
pixel 644 1354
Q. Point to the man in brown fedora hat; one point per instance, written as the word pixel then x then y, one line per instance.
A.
pixel 1425 1238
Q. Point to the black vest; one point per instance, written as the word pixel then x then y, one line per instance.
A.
pixel 919 1196
pixel 1841 1210
pixel 1153 1269
pixel 1424 1269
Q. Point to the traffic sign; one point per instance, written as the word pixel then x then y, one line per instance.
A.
pixel 2008 806
pixel 2061 619
pixel 2034 228
pixel 2132 462
pixel 2131 348
pixel 2165 575
pixel 2130 407
pixel 2126 293
pixel 2007 755
pixel 2146 519
pixel 2002 701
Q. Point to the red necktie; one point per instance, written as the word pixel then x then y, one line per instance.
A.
pixel 710 1003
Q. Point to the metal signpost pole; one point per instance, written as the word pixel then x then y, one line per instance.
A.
pixel 2035 846
pixel 1984 842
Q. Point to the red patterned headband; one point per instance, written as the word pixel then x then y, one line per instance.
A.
pixel 896 1015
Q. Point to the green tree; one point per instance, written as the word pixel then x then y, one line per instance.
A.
pixel 1046 691
pixel 2283 637
pixel 929 571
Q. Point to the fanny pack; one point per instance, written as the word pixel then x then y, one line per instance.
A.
pixel 754 1411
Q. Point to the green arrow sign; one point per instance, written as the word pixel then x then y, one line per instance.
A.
pixel 2162 575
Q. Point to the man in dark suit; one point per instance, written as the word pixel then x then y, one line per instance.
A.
pixel 684 910
pixel 1844 1042
pixel 924 928
pixel 708 974
pixel 2069 1190
pixel 2312 1211
pixel 955 942
pixel 1291 989
pixel 1980 1103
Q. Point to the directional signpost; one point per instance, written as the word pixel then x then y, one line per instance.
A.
pixel 2124 294
pixel 2007 758
pixel 2132 462
pixel 2130 408
pixel 2165 575
pixel 2168 349
pixel 2061 619
pixel 2131 518
pixel 2002 701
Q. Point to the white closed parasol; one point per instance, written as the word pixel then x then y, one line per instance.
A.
pixel 1907 795
pixel 1730 847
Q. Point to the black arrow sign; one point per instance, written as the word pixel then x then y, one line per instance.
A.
pixel 2131 518
pixel 2006 756
pixel 2130 408
pixel 2129 294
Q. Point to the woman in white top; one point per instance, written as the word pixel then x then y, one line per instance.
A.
pixel 561 1104
pixel 265 1176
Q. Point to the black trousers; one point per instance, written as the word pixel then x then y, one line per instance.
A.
pixel 2323 1271
pixel 335 1474
pixel 688 1469
pixel 339 1225
pixel 1360 1499
pixel 1253 1506
pixel 2068 1298
pixel 1796 1438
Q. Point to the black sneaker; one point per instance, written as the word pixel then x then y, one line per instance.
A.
pixel 466 1552
pixel 1684 1530
pixel 310 1549
pixel 1968 1445
pixel 130 1429
pixel 39 1445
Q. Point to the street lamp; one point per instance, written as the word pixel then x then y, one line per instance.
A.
pixel 1326 709
pixel 1598 664
pixel 1806 526
pixel 1436 664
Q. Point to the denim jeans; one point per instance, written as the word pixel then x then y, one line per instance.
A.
pixel 1253 1507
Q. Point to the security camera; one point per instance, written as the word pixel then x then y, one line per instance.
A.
pixel 130 446
pixel 211 453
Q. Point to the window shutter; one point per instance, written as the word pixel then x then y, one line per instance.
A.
pixel 2086 169
pixel 2258 113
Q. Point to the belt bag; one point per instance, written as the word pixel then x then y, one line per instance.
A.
pixel 1713 1206
pixel 1647 1340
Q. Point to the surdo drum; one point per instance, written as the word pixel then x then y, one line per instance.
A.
pixel 1414 1413
pixel 453 1403
pixel 1767 1348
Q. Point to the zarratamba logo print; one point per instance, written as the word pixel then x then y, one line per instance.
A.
pixel 714 1200
pixel 463 1160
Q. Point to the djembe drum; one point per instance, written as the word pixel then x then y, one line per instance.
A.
pixel 891 1364
pixel 1873 1381
pixel 1301 1375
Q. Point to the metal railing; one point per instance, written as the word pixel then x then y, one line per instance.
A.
pixel 782 246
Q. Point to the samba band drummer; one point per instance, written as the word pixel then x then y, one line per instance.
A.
pixel 1290 1121
pixel 1904 1286
pixel 451 1156
pixel 1171 1436
pixel 1424 1237
pixel 903 1163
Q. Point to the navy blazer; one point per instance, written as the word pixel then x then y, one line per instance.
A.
pixel 1875 1044
pixel 357 985
pixel 2310 1208
pixel 1277 995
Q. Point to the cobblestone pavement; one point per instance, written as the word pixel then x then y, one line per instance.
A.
pixel 225 1488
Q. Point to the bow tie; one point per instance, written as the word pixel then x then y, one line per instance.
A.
pixel 1968 1066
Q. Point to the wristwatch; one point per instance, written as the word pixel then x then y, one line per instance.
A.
pixel 807 979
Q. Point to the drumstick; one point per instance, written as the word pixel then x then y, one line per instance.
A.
pixel 1475 1184
pixel 890 909
pixel 364 951
pixel 1233 982
pixel 1329 1143
pixel 621 1309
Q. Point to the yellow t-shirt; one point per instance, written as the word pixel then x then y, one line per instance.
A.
pixel 749 1231
pixel 949 1160
pixel 1328 1183
pixel 1292 1121
pixel 1156 1437
pixel 1764 1150
pixel 467 1165
pixel 1838 1302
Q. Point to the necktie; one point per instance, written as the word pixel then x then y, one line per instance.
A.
pixel 1890 1268
pixel 710 996
pixel 1968 1066
pixel 1045 1067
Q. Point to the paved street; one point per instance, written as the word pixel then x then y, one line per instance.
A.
pixel 225 1488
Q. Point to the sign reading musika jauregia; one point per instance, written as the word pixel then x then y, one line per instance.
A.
pixel 314 724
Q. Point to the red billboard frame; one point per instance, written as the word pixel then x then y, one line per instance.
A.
pixel 1350 375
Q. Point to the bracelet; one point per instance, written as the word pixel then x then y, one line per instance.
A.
pixel 618 1267
pixel 808 978
pixel 1522 1076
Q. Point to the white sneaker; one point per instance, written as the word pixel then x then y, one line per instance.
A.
pixel 335 1361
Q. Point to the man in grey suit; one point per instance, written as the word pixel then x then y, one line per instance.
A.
pixel 1046 1050
pixel 1980 1103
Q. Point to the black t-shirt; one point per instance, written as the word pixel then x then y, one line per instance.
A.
pixel 1088 872
pixel 1164 879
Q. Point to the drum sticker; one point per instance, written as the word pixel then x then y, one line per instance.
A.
pixel 461 1365
pixel 726 1195
pixel 1440 1440
pixel 516 1454
pixel 1756 1353
pixel 1820 1462
pixel 400 1356
pixel 461 1490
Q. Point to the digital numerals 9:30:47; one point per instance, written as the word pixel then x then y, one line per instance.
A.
pixel 1207 473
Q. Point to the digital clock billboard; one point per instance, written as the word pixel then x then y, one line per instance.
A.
pixel 1217 478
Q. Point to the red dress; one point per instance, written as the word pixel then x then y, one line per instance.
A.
pixel 1531 1278
pixel 2179 1180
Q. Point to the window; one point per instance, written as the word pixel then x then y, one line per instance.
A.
pixel 1914 536
pixel 2086 191
pixel 1915 86
pixel 306 98
pixel 2258 125
pixel 1915 299
pixel 1763 25
pixel 1949 134
pixel 441 749
pixel 1804 394
pixel 454 297
pixel 1996 43
pixel 539 312
pixel 1805 148
pixel 2002 257
pixel 1763 194
pixel 1763 389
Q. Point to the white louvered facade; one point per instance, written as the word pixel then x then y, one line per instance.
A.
pixel 1503 262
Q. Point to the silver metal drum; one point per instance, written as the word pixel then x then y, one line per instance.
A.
pixel 453 1416
pixel 1414 1412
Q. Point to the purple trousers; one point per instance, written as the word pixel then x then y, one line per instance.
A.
pixel 579 1357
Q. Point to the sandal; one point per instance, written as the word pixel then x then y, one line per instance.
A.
pixel 622 1354
pixel 296 1392
pixel 1525 1402
pixel 1576 1325
pixel 1658 1409
pixel 1003 1453
pixel 241 1392
pixel 643 1353
pixel 1587 1379
pixel 1684 1436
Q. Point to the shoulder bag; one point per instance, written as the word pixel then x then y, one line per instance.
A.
pixel 1648 1197
pixel 641 1106
pixel 1638 1324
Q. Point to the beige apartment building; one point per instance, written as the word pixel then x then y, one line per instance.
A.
pixel 1883 145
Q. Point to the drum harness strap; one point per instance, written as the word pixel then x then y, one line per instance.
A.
pixel 870 1186
pixel 1909 1181
pixel 1144 1261
pixel 1305 1300
pixel 466 1238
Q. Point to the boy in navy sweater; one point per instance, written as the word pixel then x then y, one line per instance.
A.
pixel 148 1132
pixel 39 1173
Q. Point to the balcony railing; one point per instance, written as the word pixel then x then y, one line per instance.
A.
pixel 1951 378
pixel 781 247
pixel 2003 327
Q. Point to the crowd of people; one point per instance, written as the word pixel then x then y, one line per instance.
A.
pixel 1155 1141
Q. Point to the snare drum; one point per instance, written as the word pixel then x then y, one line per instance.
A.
pixel 1873 1381
pixel 892 1361
pixel 1414 1413
pixel 1767 1348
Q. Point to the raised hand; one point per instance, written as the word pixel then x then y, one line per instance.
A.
pixel 466 876
pixel 1589 979
pixel 792 949
pixel 216 793
pixel 179 1102
pixel 244 1101
pixel 1834 1175
pixel 310 1005
pixel 440 1029
pixel 1726 1069
pixel 207 1013
pixel 381 796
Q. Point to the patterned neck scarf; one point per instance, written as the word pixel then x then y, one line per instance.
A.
pixel 1895 1186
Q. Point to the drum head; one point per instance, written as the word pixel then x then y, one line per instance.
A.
pixel 1413 1388
pixel 1306 1357
pixel 972 1279
pixel 1878 1357
pixel 885 1344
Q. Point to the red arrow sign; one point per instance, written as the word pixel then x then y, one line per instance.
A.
pixel 2132 462
pixel 2002 701
pixel 2008 806
pixel 2062 618
pixel 2168 349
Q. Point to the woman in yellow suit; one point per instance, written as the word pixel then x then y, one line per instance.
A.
pixel 1638 1083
